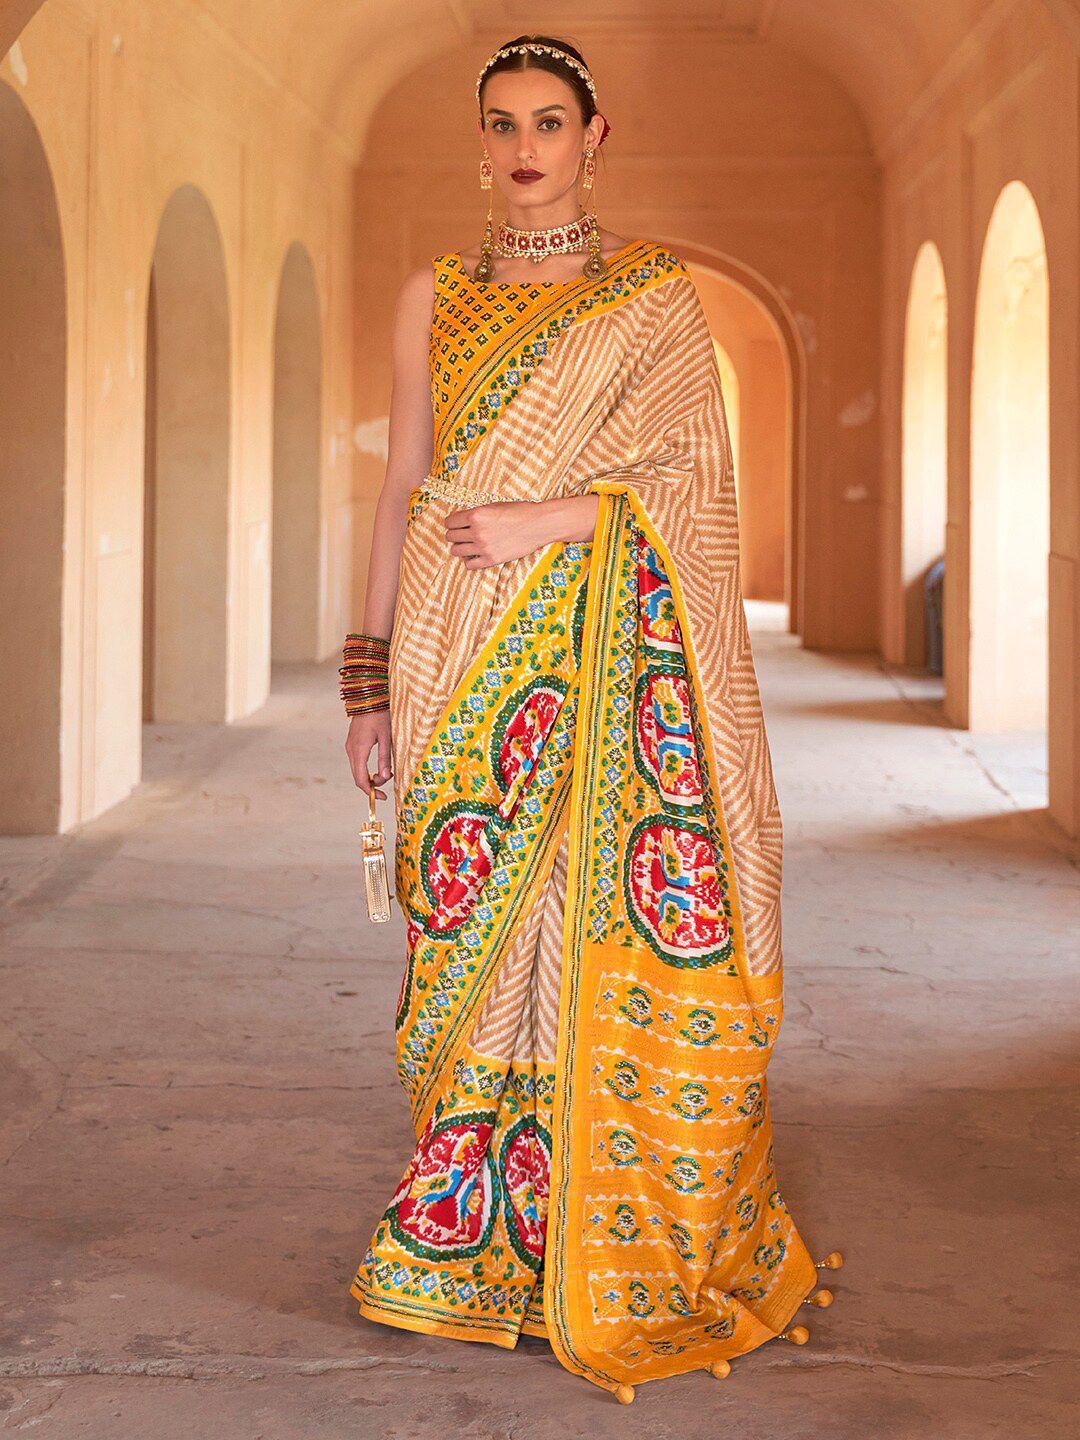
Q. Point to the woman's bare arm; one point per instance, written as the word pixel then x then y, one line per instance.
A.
pixel 410 448
pixel 409 455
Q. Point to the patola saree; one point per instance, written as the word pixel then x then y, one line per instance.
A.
pixel 587 854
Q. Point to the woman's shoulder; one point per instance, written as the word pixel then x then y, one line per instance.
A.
pixel 415 303
pixel 468 258
pixel 663 258
pixel 420 280
pixel 646 260
pixel 416 292
pixel 641 250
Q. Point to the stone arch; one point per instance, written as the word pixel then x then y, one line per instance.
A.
pixel 729 384
pixel 33 440
pixel 746 317
pixel 924 440
pixel 188 403
pixel 297 559
pixel 1010 472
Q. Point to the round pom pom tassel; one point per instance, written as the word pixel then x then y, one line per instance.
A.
pixel 821 1298
pixel 720 1369
pixel 832 1261
pixel 624 1394
pixel 798 1335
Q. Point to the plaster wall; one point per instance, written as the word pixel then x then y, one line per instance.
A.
pixel 131 102
pixel 1007 110
pixel 740 153
pixel 752 343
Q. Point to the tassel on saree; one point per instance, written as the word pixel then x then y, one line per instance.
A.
pixel 823 1298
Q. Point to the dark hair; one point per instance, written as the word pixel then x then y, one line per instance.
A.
pixel 530 60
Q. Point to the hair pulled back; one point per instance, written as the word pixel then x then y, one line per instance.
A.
pixel 530 60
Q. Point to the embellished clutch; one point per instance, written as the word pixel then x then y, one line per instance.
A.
pixel 373 860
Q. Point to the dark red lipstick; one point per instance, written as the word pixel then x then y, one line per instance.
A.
pixel 526 177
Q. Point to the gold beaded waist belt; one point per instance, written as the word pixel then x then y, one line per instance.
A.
pixel 460 494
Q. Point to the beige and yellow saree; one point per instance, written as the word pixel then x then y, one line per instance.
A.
pixel 587 856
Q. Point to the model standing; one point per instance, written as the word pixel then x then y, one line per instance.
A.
pixel 588 839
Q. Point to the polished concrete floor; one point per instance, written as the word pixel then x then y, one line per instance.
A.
pixel 201 1121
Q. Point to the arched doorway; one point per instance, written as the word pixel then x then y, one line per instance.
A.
pixel 1010 472
pixel 187 468
pixel 33 386
pixel 729 386
pixel 757 383
pixel 924 439
pixel 297 547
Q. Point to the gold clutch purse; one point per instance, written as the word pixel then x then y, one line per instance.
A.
pixel 373 860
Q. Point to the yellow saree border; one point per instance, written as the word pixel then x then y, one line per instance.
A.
pixel 671 570
pixel 570 1307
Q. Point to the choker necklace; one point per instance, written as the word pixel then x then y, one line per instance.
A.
pixel 535 245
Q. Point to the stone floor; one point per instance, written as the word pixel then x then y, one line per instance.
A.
pixel 201 1121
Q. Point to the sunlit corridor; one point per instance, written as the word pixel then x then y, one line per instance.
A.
pixel 207 210
pixel 201 242
pixel 203 1118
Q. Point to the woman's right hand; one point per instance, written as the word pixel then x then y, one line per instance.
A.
pixel 367 731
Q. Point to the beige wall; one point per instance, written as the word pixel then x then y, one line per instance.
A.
pixel 801 151
pixel 754 346
pixel 761 169
pixel 133 101
pixel 1009 112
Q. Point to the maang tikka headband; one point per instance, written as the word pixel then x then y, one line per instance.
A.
pixel 537 48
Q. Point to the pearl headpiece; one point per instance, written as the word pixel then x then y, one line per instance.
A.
pixel 538 49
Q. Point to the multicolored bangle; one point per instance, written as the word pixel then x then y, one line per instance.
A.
pixel 365 673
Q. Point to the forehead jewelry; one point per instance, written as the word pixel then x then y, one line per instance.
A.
pixel 537 48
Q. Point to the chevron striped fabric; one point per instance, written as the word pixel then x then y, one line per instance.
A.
pixel 588 854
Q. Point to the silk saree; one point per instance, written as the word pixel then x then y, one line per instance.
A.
pixel 587 854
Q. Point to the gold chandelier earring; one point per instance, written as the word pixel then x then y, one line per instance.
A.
pixel 595 265
pixel 485 269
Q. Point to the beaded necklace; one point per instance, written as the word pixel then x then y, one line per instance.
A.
pixel 535 245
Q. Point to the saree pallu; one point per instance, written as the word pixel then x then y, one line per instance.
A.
pixel 587 854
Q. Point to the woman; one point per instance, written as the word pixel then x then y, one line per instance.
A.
pixel 588 840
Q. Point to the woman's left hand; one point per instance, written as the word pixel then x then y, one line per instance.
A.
pixel 507 529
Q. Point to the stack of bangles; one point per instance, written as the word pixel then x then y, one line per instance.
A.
pixel 365 673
